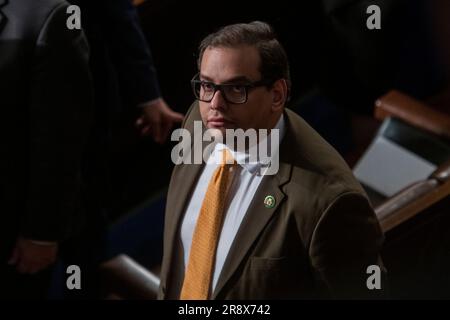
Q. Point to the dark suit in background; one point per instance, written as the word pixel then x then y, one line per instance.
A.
pixel 123 76
pixel 45 99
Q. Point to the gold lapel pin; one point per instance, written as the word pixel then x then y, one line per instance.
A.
pixel 269 201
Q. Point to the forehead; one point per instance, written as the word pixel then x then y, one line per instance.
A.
pixel 222 63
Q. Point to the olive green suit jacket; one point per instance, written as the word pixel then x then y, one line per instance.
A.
pixel 316 242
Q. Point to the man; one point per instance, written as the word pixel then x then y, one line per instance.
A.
pixel 46 101
pixel 306 231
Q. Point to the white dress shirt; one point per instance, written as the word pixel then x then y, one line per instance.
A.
pixel 247 179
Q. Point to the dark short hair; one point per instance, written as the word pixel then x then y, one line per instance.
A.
pixel 274 62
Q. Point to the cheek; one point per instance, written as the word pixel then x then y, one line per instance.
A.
pixel 248 116
pixel 204 111
pixel 259 114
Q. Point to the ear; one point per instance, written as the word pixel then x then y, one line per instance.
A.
pixel 279 94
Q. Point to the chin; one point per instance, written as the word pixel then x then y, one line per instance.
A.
pixel 217 131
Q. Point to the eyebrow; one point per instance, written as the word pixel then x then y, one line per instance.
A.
pixel 231 80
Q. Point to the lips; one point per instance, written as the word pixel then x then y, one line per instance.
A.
pixel 217 122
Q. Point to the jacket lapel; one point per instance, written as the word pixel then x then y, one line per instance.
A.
pixel 183 183
pixel 256 218
pixel 2 15
pixel 185 175
pixel 254 222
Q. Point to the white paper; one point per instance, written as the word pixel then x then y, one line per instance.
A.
pixel 387 167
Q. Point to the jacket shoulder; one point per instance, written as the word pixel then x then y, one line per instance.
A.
pixel 26 18
pixel 319 175
pixel 315 161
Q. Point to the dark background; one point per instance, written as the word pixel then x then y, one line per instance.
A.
pixel 338 68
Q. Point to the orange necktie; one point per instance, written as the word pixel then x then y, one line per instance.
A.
pixel 197 279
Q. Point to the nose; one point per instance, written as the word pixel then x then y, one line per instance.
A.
pixel 218 101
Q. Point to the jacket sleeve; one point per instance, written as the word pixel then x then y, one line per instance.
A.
pixel 346 241
pixel 59 120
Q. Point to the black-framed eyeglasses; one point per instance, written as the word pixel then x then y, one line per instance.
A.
pixel 236 93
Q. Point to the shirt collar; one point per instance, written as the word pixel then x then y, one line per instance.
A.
pixel 243 158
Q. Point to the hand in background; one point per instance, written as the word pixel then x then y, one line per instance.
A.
pixel 31 257
pixel 157 120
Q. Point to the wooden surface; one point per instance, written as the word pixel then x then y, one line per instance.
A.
pixel 138 2
pixel 391 221
pixel 124 278
pixel 414 112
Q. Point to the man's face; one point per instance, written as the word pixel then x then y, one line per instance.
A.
pixel 222 65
